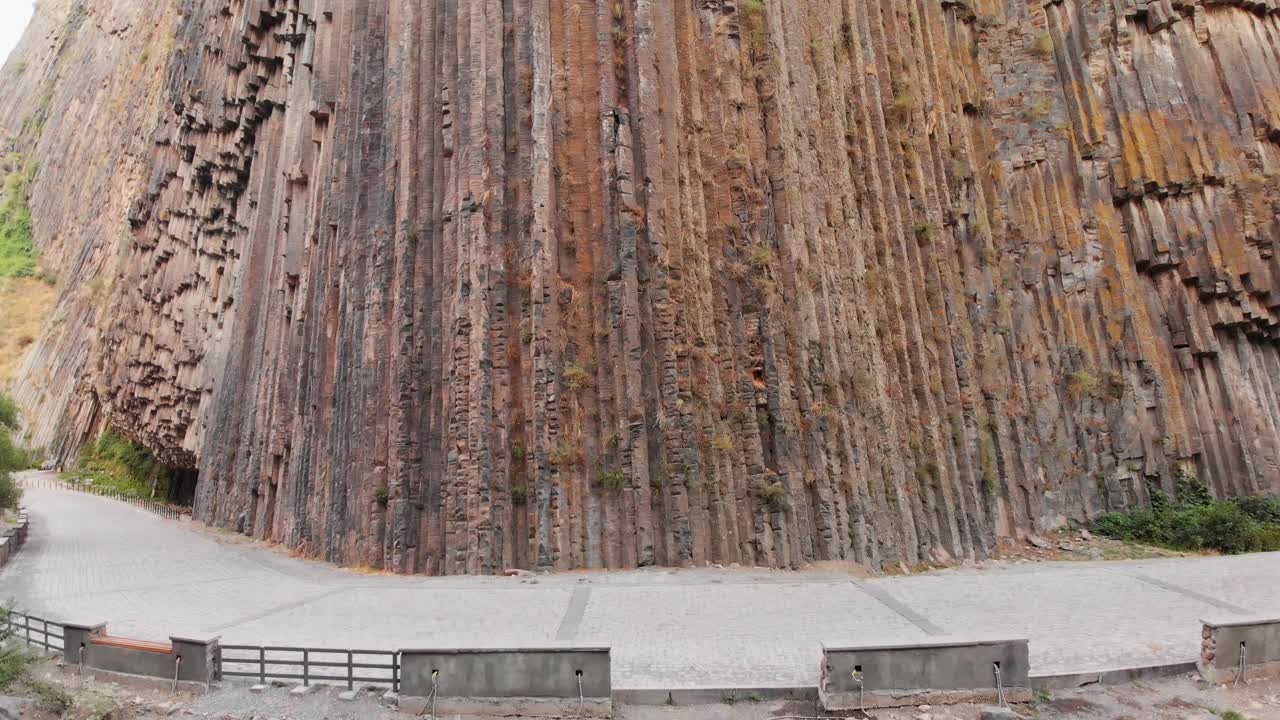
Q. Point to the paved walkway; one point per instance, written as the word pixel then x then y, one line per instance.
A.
pixel 90 559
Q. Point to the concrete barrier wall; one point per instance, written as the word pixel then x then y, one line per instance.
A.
pixel 945 670
pixel 90 645
pixel 539 672
pixel 1224 638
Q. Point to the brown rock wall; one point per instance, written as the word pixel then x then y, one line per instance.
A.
pixel 449 287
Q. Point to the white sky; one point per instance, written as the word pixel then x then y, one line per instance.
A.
pixel 14 15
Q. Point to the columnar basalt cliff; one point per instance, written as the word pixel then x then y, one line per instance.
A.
pixel 450 287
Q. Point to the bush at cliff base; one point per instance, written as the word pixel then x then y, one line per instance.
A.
pixel 12 457
pixel 1196 521
pixel 115 463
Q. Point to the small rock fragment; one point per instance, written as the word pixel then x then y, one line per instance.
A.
pixel 992 712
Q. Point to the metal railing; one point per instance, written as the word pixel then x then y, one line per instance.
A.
pixel 165 511
pixel 323 666
pixel 36 632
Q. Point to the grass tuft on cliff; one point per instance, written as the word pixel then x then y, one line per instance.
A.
pixel 1195 520
pixel 115 463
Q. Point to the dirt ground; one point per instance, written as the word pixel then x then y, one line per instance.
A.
pixel 1179 698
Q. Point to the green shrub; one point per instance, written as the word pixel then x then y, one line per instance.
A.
pixel 1263 508
pixel 1192 492
pixel 8 412
pixel 115 463
pixel 51 697
pixel 1197 521
pixel 10 493
pixel 12 456
pixel 15 663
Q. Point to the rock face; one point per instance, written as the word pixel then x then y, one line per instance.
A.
pixel 451 287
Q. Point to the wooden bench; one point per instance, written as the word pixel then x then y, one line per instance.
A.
pixel 131 644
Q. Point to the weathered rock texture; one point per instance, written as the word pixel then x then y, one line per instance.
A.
pixel 454 286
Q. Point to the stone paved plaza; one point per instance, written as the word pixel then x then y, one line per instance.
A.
pixel 92 559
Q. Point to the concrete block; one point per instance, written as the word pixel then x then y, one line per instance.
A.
pixel 258 688
pixel 347 695
pixel 1226 640
pixel 193 661
pixel 76 637
pixel 552 674
pixel 304 689
pixel 199 658
pixel 390 699
pixel 938 671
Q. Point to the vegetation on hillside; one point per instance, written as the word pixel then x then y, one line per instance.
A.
pixel 115 463
pixel 17 678
pixel 25 304
pixel 26 294
pixel 17 253
pixel 1195 520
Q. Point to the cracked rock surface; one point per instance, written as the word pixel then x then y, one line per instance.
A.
pixel 456 287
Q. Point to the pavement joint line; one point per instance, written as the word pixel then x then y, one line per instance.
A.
pixel 888 600
pixel 279 608
pixel 1207 599
pixel 573 614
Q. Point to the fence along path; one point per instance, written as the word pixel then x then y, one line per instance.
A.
pixel 310 666
pixel 319 666
pixel 35 632
pixel 166 511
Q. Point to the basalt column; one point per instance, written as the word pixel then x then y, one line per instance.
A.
pixel 452 287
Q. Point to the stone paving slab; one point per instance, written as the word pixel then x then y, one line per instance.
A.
pixel 93 559
pixel 1076 619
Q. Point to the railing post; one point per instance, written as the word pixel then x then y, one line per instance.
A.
pixel 350 671
pixel 262 664
pixel 46 635
pixel 306 666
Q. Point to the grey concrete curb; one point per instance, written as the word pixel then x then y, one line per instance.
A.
pixel 711 695
pixel 715 695
pixel 12 543
pixel 1115 676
